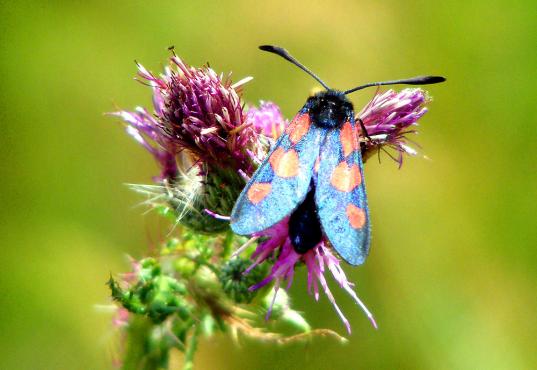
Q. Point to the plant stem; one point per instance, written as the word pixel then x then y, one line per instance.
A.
pixel 191 348
pixel 227 245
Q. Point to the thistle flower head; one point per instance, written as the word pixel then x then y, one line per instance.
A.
pixel 201 139
pixel 202 113
pixel 267 119
pixel 318 261
pixel 388 118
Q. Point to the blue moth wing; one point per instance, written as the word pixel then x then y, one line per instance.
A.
pixel 281 181
pixel 340 194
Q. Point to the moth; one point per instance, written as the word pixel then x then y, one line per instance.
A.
pixel 315 175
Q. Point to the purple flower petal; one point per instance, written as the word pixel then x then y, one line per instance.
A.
pixel 388 116
pixel 267 119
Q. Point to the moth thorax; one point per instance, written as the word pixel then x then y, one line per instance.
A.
pixel 330 109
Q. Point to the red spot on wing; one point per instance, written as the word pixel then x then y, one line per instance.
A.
pixel 299 128
pixel 345 178
pixel 292 125
pixel 258 192
pixel 275 157
pixel 356 216
pixel 285 164
pixel 349 138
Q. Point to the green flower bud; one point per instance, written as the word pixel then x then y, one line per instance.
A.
pixel 217 191
pixel 235 283
pixel 155 295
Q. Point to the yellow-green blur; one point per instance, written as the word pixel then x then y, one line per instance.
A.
pixel 452 273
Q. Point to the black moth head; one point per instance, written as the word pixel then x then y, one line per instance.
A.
pixel 330 109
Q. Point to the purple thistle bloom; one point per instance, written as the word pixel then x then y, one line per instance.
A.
pixel 197 111
pixel 267 119
pixel 388 116
pixel 317 261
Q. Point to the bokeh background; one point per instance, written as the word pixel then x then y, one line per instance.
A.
pixel 452 273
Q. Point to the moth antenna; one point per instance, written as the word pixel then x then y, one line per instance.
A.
pixel 285 55
pixel 420 80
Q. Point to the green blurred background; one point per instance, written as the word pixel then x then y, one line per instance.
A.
pixel 451 277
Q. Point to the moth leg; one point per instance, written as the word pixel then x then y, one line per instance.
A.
pixel 363 145
pixel 364 130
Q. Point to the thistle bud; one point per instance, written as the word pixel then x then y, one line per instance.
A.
pixel 235 283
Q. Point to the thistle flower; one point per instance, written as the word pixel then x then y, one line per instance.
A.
pixel 200 137
pixel 267 119
pixel 202 112
pixel 388 117
pixel 317 260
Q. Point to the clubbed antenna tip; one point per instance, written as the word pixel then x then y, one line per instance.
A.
pixel 285 55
